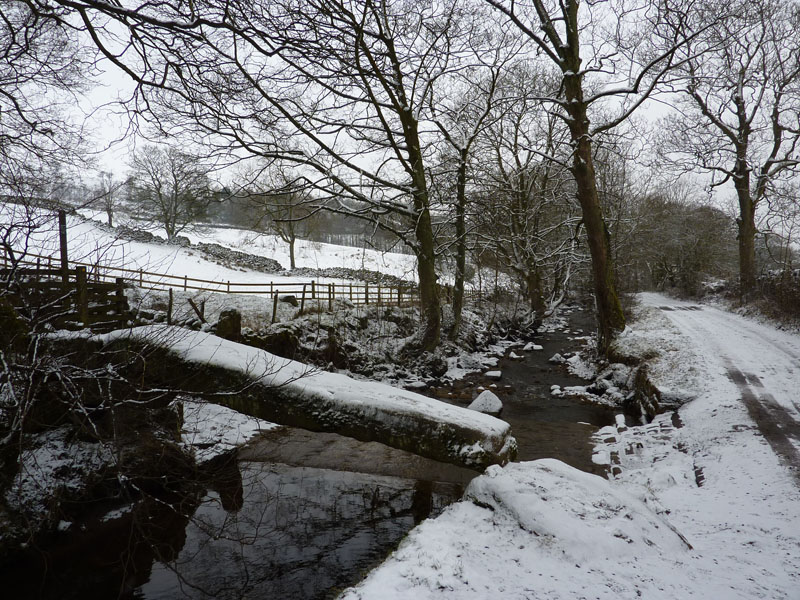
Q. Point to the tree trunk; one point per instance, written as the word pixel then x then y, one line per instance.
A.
pixel 423 229
pixel 291 254
pixel 533 284
pixel 747 235
pixel 461 247
pixel 428 294
pixel 610 319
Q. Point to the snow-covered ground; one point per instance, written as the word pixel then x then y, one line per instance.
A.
pixel 308 254
pixel 705 503
pixel 90 243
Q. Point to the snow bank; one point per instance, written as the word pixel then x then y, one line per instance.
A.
pixel 292 393
pixel 538 529
pixel 579 514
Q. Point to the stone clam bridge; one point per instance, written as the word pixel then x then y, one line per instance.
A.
pixel 290 393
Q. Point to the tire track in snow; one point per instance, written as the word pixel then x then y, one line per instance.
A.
pixel 710 329
pixel 773 420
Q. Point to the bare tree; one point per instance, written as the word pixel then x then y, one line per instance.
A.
pixel 461 107
pixel 107 194
pixel 338 88
pixel 781 225
pixel 526 219
pixel 43 70
pixel 172 186
pixel 620 67
pixel 286 209
pixel 739 116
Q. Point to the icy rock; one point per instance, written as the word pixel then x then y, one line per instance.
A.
pixel 530 347
pixel 620 421
pixel 556 391
pixel 416 385
pixel 601 457
pixel 617 374
pixel 557 359
pixel 606 431
pixel 514 356
pixel 578 366
pixel 601 385
pixel 487 402
pixel 494 374
pixel 146 315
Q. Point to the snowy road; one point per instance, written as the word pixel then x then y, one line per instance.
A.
pixel 763 363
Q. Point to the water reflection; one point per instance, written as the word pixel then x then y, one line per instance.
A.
pixel 300 532
pixel 304 517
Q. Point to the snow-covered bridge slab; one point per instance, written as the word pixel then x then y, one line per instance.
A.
pixel 291 393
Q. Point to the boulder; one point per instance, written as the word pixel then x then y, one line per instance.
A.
pixel 487 402
pixel 289 299
pixel 229 325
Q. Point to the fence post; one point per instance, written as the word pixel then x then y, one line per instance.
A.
pixel 330 297
pixel 313 290
pixel 351 292
pixel 366 293
pixel 399 294
pixel 121 302
pixel 303 300
pixel 196 310
pixel 141 277
pixel 379 295
pixel 83 295
pixel 274 306
pixel 185 282
pixel 169 308
pixel 229 286
pixel 62 239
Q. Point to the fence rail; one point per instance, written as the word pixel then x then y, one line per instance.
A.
pixel 309 290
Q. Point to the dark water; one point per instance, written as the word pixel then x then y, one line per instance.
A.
pixel 316 513
pixel 299 515
pixel 544 426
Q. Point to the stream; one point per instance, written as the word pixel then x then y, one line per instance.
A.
pixel 300 515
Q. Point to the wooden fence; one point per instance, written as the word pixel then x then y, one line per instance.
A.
pixel 303 291
pixel 66 300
